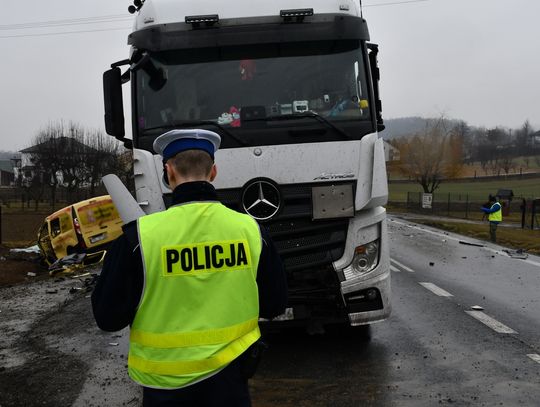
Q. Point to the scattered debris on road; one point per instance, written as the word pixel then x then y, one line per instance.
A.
pixel 31 249
pixel 516 254
pixel 477 308
pixel 74 262
pixel 470 243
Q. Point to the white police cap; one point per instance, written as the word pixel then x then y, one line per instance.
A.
pixel 175 141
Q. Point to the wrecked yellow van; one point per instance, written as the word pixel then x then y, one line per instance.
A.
pixel 84 227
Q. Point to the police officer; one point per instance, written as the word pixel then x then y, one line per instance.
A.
pixel 494 212
pixel 192 282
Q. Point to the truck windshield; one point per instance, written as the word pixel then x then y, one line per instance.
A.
pixel 240 87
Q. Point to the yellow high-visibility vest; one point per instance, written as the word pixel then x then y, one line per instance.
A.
pixel 199 309
pixel 497 215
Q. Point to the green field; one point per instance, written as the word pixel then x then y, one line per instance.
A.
pixel 478 190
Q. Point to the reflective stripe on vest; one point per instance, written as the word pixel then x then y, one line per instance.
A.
pixel 199 309
pixel 186 367
pixel 497 215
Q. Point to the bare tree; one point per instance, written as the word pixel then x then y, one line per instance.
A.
pixel 106 155
pixel 431 156
pixel 73 157
pixel 47 158
pixel 523 136
pixel 506 164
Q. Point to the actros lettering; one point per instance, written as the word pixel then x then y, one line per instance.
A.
pixel 325 176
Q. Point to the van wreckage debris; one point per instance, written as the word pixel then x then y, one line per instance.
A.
pixel 67 265
pixel 75 262
pixel 87 283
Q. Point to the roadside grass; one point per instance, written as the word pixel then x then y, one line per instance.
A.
pixel 477 190
pixel 528 240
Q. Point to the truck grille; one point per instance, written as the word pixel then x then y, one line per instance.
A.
pixel 306 247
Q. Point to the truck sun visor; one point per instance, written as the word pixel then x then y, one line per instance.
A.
pixel 189 36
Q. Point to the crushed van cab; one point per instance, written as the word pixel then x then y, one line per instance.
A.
pixel 84 227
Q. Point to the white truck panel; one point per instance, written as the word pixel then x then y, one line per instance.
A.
pixel 338 161
pixel 148 181
pixel 287 164
pixel 379 184
pixel 156 12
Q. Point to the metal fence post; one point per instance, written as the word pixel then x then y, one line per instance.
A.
pixel 523 212
pixel 448 208
pixel 467 207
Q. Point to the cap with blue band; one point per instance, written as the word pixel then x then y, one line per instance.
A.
pixel 175 141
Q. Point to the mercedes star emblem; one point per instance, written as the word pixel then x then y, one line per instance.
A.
pixel 261 199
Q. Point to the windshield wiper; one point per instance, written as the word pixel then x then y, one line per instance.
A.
pixel 192 123
pixel 294 116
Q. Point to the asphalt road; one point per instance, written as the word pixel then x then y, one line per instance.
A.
pixel 434 350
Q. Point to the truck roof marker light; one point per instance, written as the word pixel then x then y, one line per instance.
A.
pixel 208 20
pixel 298 14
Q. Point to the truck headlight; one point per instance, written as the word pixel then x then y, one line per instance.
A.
pixel 366 258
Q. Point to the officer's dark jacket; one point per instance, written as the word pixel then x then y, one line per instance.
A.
pixel 119 287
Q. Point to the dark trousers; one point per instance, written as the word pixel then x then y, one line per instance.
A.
pixel 227 388
pixel 493 231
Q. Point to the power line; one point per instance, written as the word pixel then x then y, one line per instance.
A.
pixel 394 3
pixel 71 21
pixel 63 33
pixel 109 19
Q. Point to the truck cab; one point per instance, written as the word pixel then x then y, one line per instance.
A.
pixel 292 89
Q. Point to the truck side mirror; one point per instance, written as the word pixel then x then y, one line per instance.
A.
pixel 114 105
pixel 375 77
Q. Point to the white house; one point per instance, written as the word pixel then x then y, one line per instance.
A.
pixel 390 152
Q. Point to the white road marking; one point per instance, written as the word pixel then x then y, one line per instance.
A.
pixel 436 290
pixel 395 269
pixel 534 263
pixel 534 357
pixel 403 266
pixel 491 322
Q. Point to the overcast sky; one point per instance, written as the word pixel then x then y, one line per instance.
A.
pixel 475 60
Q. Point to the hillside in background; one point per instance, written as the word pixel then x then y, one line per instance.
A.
pixel 402 126
pixel 406 126
pixel 6 155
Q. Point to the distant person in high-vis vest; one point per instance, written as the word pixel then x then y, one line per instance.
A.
pixel 494 212
pixel 192 282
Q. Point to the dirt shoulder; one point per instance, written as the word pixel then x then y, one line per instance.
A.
pixel 20 267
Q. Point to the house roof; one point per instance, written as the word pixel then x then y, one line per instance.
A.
pixel 60 141
pixel 6 166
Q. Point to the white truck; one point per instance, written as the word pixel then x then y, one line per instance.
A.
pixel 292 88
